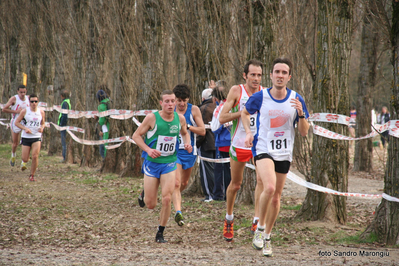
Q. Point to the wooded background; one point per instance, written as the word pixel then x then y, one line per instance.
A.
pixel 343 55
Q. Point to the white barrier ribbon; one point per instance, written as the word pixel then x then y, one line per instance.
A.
pixel 298 180
pixel 77 129
pixel 329 118
pixel 95 142
pixel 321 131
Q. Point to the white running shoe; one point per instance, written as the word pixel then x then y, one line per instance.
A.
pixel 23 166
pixel 257 242
pixel 267 248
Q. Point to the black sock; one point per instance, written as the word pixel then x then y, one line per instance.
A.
pixel 161 228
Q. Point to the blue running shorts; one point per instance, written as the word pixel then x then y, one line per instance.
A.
pixel 157 169
pixel 185 159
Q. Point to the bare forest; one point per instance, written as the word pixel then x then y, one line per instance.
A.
pixel 343 54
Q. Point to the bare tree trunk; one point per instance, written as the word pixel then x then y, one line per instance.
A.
pixel 386 220
pixel 330 162
pixel 368 71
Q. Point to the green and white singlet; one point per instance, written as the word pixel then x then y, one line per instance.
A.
pixel 164 138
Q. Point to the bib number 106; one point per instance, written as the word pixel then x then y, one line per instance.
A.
pixel 166 147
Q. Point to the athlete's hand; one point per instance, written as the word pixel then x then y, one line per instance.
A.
pixel 297 105
pixel 248 140
pixel 27 130
pixel 154 153
pixel 40 130
pixel 188 148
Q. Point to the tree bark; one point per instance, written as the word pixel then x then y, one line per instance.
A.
pixel 386 220
pixel 367 76
pixel 330 159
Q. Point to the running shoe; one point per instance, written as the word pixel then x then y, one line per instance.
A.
pixel 254 226
pixel 12 161
pixel 257 242
pixel 159 238
pixel 23 166
pixel 141 199
pixel 179 219
pixel 32 178
pixel 228 230
pixel 267 248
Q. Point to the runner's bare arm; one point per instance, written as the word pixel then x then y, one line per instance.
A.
pixel 200 128
pixel 232 99
pixel 19 119
pixel 43 122
pixel 246 122
pixel 7 106
pixel 303 124
pixel 184 134
pixel 148 123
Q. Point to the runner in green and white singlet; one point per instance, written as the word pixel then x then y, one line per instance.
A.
pixel 160 147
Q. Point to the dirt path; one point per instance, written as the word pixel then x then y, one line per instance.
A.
pixel 74 216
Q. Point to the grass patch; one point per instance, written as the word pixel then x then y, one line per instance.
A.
pixel 342 237
pixel 292 207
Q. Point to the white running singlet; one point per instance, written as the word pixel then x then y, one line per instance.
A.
pixel 19 104
pixel 237 130
pixel 276 124
pixel 33 122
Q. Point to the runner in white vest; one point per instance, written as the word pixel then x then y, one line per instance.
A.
pixel 278 109
pixel 32 130
pixel 14 106
pixel 239 154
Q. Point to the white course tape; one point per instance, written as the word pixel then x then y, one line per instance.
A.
pixel 330 118
pixel 296 179
pixel 321 131
pixel 293 177
pixel 95 142
pixel 77 129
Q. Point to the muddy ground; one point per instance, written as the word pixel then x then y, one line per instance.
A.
pixel 76 216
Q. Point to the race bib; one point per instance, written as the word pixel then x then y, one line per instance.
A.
pixel 166 145
pixel 279 142
pixel 181 143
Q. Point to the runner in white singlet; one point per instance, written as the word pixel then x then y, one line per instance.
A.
pixel 278 109
pixel 32 130
pixel 239 154
pixel 14 106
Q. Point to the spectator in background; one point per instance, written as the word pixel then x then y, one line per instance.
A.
pixel 352 121
pixel 383 118
pixel 206 146
pixel 103 121
pixel 222 144
pixel 63 121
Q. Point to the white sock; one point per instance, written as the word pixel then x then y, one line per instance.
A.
pixel 229 217
pixel 267 236
pixel 255 219
pixel 261 228
pixel 13 154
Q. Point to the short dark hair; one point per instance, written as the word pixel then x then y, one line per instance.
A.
pixel 253 62
pixel 33 95
pixel 282 60
pixel 166 92
pixel 218 94
pixel 181 91
pixel 65 93
pixel 21 87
